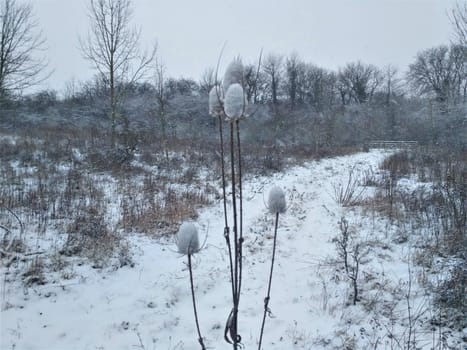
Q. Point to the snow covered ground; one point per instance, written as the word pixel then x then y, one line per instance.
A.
pixel 148 306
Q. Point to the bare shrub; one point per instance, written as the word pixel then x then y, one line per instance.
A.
pixel 162 208
pixel 89 236
pixel 35 272
pixel 398 164
pixel 451 294
pixel 349 193
pixel 342 243
pixel 437 216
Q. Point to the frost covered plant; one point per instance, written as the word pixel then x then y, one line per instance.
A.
pixel 188 244
pixel 227 102
pixel 276 205
pixel 276 200
pixel 234 74
pixel 234 102
pixel 187 239
pixel 234 109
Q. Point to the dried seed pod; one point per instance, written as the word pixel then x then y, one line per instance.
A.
pixel 234 74
pixel 234 103
pixel 187 239
pixel 276 200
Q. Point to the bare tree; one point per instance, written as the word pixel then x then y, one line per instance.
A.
pixel 207 81
pixel 162 100
pixel 441 72
pixel 358 82
pixel 458 17
pixel 392 89
pixel 294 69
pixel 272 68
pixel 112 46
pixel 319 87
pixel 20 41
pixel 251 82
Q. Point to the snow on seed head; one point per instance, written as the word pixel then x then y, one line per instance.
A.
pixel 276 200
pixel 234 103
pixel 234 74
pixel 187 239
pixel 215 101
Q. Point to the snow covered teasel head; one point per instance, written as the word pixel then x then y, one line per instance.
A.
pixel 276 201
pixel 234 74
pixel 187 239
pixel 234 102
pixel 215 101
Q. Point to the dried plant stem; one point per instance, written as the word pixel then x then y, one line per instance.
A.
pixel 266 300
pixel 240 189
pixel 234 318
pixel 200 338
pixel 221 139
pixel 224 198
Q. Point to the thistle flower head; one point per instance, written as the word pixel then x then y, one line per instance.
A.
pixel 234 103
pixel 215 101
pixel 187 239
pixel 234 74
pixel 276 200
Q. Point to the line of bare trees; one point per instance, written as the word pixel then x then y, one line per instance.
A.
pixel 284 85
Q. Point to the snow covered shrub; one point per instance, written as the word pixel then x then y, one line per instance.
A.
pixel 350 192
pixel 89 236
pixel 35 273
pixel 276 200
pixel 187 239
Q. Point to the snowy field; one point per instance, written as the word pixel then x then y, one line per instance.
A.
pixel 148 306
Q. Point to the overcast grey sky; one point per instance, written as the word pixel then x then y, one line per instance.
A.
pixel 191 33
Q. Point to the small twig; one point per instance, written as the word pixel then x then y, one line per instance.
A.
pixel 141 345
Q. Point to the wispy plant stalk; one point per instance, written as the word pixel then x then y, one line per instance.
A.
pixel 200 338
pixel 268 296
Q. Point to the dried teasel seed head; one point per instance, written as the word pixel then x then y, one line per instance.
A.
pixel 187 239
pixel 234 74
pixel 234 103
pixel 276 200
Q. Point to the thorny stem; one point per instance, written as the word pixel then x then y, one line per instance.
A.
pixel 200 338
pixel 229 246
pixel 266 300
pixel 226 223
pixel 221 138
pixel 240 242
pixel 234 324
